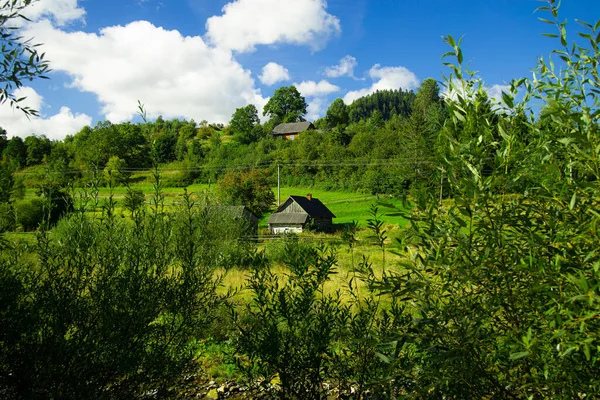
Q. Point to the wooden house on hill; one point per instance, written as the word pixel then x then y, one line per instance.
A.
pixel 292 130
pixel 296 212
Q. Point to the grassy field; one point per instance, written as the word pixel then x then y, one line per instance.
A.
pixel 346 206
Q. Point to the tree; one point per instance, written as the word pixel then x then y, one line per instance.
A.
pixel 242 124
pixel 37 148
pixel 3 139
pixel 286 105
pixel 20 59
pixel 337 114
pixel 115 172
pixel 251 189
pixel 15 151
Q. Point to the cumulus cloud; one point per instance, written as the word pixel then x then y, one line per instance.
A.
pixel 245 24
pixel 172 75
pixel 385 78
pixel 314 89
pixel 315 109
pixel 55 127
pixel 273 73
pixel 60 12
pixel 344 68
pixel 469 88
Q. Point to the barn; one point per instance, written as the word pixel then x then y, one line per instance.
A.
pixel 298 211
pixel 291 130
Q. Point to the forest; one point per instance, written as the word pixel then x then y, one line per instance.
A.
pixel 489 289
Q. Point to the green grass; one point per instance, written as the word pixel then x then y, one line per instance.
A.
pixel 347 207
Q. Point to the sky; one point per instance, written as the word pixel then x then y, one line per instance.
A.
pixel 202 59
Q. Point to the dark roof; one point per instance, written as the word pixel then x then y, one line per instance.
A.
pixel 313 207
pixel 292 128
pixel 288 218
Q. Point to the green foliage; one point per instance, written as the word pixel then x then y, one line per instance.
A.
pixel 38 147
pixel 337 114
pixel 286 105
pixel 106 309
pixel 250 189
pixel 19 59
pixel 504 278
pixel 242 124
pixel 289 327
pixel 387 102
pixel 29 214
pixel 115 172
pixel 7 217
pixel 15 152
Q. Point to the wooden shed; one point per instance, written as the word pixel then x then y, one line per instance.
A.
pixel 296 212
pixel 292 130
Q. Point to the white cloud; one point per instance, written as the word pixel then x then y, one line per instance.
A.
pixel 56 126
pixel 273 73
pixel 247 23
pixel 344 68
pixel 172 75
pixel 60 11
pixel 469 88
pixel 315 109
pixel 385 78
pixel 495 92
pixel 314 89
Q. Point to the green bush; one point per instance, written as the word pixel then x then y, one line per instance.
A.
pixel 7 217
pixel 29 214
pixel 106 309
pixel 288 329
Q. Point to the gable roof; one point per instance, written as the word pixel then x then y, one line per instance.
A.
pixel 292 128
pixel 288 218
pixel 313 207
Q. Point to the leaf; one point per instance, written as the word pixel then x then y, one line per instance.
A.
pixel 459 116
pixel 519 355
pixel 550 35
pixel 383 357
pixel 586 351
pixel 563 35
pixel 573 200
pixel 583 23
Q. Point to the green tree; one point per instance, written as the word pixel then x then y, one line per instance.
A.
pixel 242 124
pixel 505 282
pixel 3 139
pixel 19 58
pixel 337 114
pixel 15 152
pixel 37 148
pixel 251 189
pixel 115 172
pixel 286 105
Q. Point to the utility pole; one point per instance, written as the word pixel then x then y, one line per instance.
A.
pixel 278 188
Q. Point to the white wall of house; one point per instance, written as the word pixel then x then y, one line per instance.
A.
pixel 286 229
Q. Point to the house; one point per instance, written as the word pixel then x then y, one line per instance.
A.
pixel 291 130
pixel 296 212
pixel 241 215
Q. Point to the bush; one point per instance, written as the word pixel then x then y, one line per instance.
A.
pixel 7 217
pixel 29 214
pixel 289 328
pixel 106 309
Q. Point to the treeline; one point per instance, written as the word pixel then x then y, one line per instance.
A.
pixel 382 143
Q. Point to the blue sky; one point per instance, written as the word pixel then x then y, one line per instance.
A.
pixel 201 59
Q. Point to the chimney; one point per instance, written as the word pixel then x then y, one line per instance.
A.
pixel 309 197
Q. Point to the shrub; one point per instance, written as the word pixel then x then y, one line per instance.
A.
pixel 29 214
